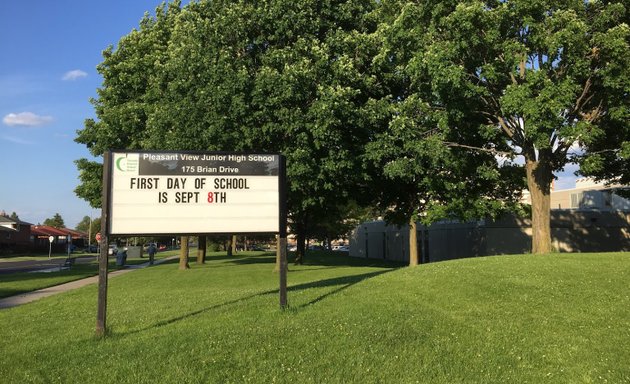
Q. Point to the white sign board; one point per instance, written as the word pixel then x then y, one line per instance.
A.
pixel 194 192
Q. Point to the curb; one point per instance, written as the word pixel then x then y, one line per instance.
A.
pixel 27 297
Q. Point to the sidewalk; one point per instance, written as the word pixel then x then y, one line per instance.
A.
pixel 28 297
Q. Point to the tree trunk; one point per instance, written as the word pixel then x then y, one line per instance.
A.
pixel 539 177
pixel 301 243
pixel 413 243
pixel 229 247
pixel 201 250
pixel 234 244
pixel 183 254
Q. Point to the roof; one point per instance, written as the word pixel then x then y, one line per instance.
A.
pixel 46 230
pixel 74 233
pixel 6 219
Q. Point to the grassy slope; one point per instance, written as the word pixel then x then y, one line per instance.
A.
pixel 556 319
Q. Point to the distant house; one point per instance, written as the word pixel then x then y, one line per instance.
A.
pixel 79 239
pixel 14 232
pixel 40 237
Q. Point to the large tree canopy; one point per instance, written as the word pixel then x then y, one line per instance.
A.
pixel 278 76
pixel 527 78
pixel 445 108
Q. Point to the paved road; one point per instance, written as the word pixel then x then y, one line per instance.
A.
pixel 24 298
pixel 35 265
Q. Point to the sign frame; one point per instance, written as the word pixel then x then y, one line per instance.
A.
pixel 187 181
pixel 256 159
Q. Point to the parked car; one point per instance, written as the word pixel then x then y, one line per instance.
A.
pixel 92 248
pixel 112 250
pixel 341 248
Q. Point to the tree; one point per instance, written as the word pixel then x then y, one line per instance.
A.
pixel 201 250
pixel 608 159
pixel 515 79
pixel 312 102
pixel 183 254
pixel 126 97
pixel 84 224
pixel 230 246
pixel 90 226
pixel 606 154
pixel 56 221
pixel 91 178
pixel 282 76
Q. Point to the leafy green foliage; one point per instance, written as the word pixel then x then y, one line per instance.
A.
pixel 90 226
pixel 525 79
pixel 408 105
pixel 55 221
pixel 91 178
pixel 280 76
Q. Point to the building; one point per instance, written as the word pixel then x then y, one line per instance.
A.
pixel 14 233
pixel 587 195
pixel 19 236
pixel 61 237
pixel 588 218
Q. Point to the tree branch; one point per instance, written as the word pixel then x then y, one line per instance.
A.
pixel 578 102
pixel 488 150
pixel 593 114
pixel 506 128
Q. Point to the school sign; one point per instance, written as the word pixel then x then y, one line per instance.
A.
pixel 194 193
pixel 191 193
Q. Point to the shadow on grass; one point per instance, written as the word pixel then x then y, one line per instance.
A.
pixel 342 283
pixel 341 259
pixel 315 259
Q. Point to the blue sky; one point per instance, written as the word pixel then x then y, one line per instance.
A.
pixel 49 51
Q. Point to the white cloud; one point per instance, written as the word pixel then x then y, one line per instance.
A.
pixel 26 119
pixel 74 75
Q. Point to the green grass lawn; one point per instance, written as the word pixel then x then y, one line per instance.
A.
pixel 562 318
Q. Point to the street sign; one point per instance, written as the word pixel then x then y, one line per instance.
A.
pixel 98 237
pixel 50 241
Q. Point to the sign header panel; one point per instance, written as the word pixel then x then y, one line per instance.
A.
pixel 194 192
